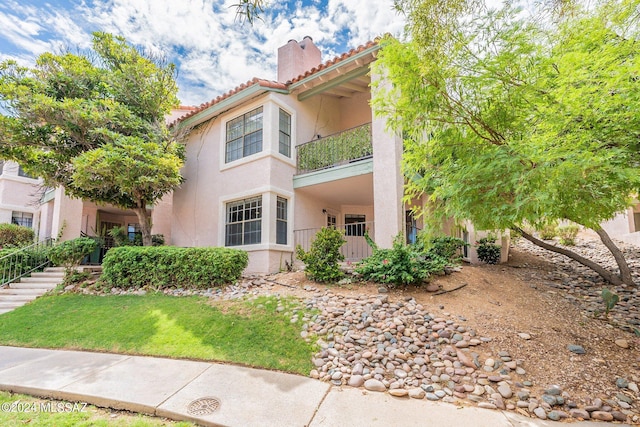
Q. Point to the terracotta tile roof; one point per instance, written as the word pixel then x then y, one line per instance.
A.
pixel 255 81
pixel 335 60
pixel 273 84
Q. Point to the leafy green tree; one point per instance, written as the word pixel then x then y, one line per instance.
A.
pixel 95 124
pixel 511 121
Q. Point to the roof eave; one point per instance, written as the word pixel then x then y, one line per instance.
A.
pixel 333 67
pixel 237 98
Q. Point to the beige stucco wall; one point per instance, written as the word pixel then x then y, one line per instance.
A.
pixel 355 110
pixel 199 205
pixel 18 194
pixel 161 217
pixel 623 226
pixel 46 220
pixel 67 216
pixel 620 225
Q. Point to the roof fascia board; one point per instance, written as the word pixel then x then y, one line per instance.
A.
pixel 335 66
pixel 333 83
pixel 227 103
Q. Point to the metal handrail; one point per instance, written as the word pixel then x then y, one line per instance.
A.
pixel 337 149
pixel 23 261
pixel 355 247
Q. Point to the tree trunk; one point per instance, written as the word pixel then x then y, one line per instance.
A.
pixel 144 218
pixel 625 271
pixel 604 273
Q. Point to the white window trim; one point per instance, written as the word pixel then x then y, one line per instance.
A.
pixel 269 196
pixel 270 130
pixel 276 148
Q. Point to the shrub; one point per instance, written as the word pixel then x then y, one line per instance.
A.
pixel 121 238
pixel 568 234
pixel 321 262
pixel 610 300
pixel 166 266
pixel 410 264
pixel 549 231
pixel 157 239
pixel 12 235
pixel 488 251
pixel 76 277
pixel 400 265
pixel 446 247
pixel 70 253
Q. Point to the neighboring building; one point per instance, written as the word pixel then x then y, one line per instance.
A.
pixel 270 163
pixel 19 196
pixel 626 225
pixel 68 218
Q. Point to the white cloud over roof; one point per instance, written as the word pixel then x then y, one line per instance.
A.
pixel 214 52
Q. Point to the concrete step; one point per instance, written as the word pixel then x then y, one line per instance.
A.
pixel 18 298
pixel 54 269
pixel 13 291
pixel 48 274
pixel 10 305
pixel 91 268
pixel 53 279
pixel 35 285
pixel 6 310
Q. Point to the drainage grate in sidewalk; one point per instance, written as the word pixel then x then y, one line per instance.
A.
pixel 203 406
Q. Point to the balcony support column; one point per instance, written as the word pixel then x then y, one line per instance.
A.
pixel 388 183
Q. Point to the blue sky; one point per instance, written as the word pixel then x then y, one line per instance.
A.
pixel 214 52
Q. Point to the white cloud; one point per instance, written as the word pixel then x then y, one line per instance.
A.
pixel 214 51
pixel 23 34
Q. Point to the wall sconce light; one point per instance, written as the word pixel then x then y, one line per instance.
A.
pixel 324 211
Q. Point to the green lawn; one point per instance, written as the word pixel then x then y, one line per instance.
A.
pixel 16 410
pixel 251 333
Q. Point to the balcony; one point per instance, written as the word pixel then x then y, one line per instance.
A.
pixel 339 149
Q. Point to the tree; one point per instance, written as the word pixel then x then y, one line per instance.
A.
pixel 512 122
pixel 94 123
pixel 250 9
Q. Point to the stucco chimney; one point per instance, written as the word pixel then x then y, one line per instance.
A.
pixel 294 58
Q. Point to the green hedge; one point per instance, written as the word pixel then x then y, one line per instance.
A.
pixel 70 253
pixel 12 235
pixel 167 266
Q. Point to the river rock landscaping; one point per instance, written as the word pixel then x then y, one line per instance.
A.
pixel 530 336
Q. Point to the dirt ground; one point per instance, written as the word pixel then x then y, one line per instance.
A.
pixel 501 301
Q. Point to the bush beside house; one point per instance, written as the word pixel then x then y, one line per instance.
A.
pixel 322 259
pixel 409 264
pixel 12 235
pixel 69 254
pixel 169 266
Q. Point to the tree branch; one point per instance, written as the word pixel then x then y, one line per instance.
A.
pixel 625 272
pixel 604 273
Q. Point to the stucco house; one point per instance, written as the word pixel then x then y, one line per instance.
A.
pixel 271 162
pixel 268 164
pixel 19 196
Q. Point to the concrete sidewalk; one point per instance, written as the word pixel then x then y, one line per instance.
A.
pixel 225 395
